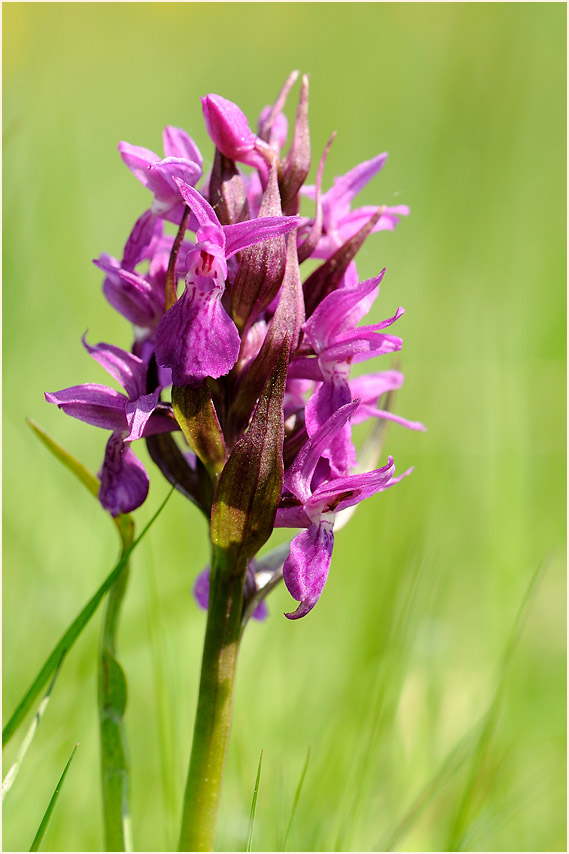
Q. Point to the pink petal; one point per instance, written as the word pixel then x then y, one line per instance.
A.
pixel 95 404
pixel 124 482
pixel 125 368
pixel 306 568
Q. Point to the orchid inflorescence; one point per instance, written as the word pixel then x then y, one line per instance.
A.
pixel 257 431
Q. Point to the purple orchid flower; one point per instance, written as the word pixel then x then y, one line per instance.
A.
pixel 337 342
pixel 138 298
pixel 182 161
pixel 265 358
pixel 340 223
pixel 196 337
pixel 306 568
pixel 228 128
pixel 124 482
pixel 141 297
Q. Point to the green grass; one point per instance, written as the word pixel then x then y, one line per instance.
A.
pixel 389 679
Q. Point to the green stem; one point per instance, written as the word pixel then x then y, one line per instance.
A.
pixel 213 716
pixel 112 695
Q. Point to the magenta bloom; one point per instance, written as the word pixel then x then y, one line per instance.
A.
pixel 124 482
pixel 239 379
pixel 182 161
pixel 196 337
pixel 228 128
pixel 306 568
pixel 338 342
pixel 340 222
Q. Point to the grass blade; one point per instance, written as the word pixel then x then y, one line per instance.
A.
pixel 69 461
pixel 45 822
pixel 254 805
pixel 8 781
pixel 55 658
pixel 87 478
pixel 448 768
pixel 296 798
pixel 462 818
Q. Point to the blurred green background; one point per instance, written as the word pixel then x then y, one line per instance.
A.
pixel 388 679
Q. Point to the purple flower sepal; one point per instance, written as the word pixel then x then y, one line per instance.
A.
pixel 336 340
pixel 228 128
pixel 182 161
pixel 124 482
pixel 140 299
pixel 340 223
pixel 196 337
pixel 306 568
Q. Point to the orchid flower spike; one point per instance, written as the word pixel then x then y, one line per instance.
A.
pixel 238 377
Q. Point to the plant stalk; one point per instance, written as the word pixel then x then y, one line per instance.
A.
pixel 215 703
pixel 112 697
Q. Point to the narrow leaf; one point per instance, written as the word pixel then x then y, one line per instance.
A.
pixel 46 820
pixel 69 461
pixel 8 781
pixel 54 659
pixel 310 242
pixel 296 798
pixel 254 806
pixel 450 766
pixel 266 125
pixel 468 800
pixel 123 521
pixel 196 415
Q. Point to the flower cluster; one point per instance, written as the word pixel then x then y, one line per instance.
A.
pixel 255 362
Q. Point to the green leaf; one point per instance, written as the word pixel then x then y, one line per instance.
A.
pixel 124 522
pixel 196 415
pixel 55 658
pixel 254 805
pixel 8 781
pixel 46 820
pixel 69 461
